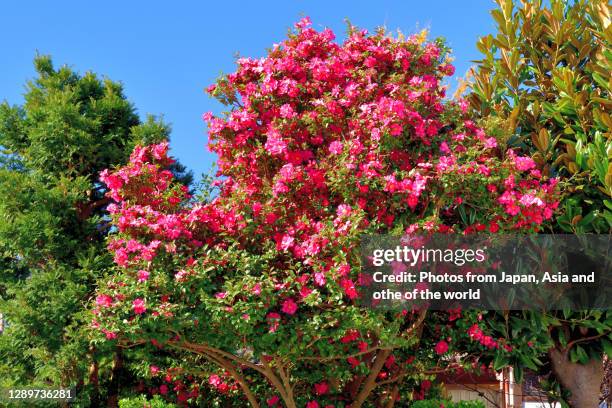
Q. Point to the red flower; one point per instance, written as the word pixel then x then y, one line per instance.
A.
pixel 273 401
pixel 321 388
pixel 353 361
pixel 441 347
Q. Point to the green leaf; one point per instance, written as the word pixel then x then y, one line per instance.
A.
pixel 501 360
pixel 518 373
pixel 607 347
pixel 562 338
pixel 582 355
pixel 528 362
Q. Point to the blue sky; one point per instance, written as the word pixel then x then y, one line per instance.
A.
pixel 166 52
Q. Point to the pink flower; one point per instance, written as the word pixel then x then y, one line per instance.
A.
pixel 524 163
pixel 163 389
pixel 256 207
pixel 319 279
pixel 528 200
pixel 160 150
pixel 154 369
pixel 289 307
pixel 143 276
pixel 344 269
pixel 275 145
pixel 354 362
pixel 181 275
pixel 303 23
pixel 214 380
pixel 113 181
pixel 287 111
pixel 139 306
pixel 343 210
pixel 350 335
pixel 490 143
pixel 475 332
pixel 444 148
pixel 488 342
pixel 312 404
pixel 104 300
pixel 286 242
pixel 441 347
pixel 110 335
pixel 335 147
pixel 512 209
pixel 305 291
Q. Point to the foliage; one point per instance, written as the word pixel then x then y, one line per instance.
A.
pixel 54 222
pixel 546 75
pixel 447 404
pixel 143 402
pixel 324 142
pixel 544 79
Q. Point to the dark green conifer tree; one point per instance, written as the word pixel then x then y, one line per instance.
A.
pixel 53 225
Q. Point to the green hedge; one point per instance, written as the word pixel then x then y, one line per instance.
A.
pixel 436 403
pixel 143 402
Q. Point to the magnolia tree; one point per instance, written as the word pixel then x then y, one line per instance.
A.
pixel 324 142
pixel 542 77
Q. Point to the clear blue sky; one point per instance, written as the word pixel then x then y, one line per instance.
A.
pixel 167 52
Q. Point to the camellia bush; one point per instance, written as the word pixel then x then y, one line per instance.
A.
pixel 257 290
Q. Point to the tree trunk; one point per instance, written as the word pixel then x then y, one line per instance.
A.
pixel 370 382
pixel 115 381
pixel 582 380
pixel 94 381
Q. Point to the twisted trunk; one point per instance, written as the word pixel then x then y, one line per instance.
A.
pixel 582 380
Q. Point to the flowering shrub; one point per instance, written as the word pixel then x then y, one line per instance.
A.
pixel 324 142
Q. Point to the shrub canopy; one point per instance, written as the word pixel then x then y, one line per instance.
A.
pixel 324 142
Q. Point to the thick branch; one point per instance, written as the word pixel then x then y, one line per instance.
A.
pixel 370 382
pixel 286 395
pixel 229 367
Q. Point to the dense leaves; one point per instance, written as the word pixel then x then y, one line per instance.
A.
pixel 545 78
pixel 545 75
